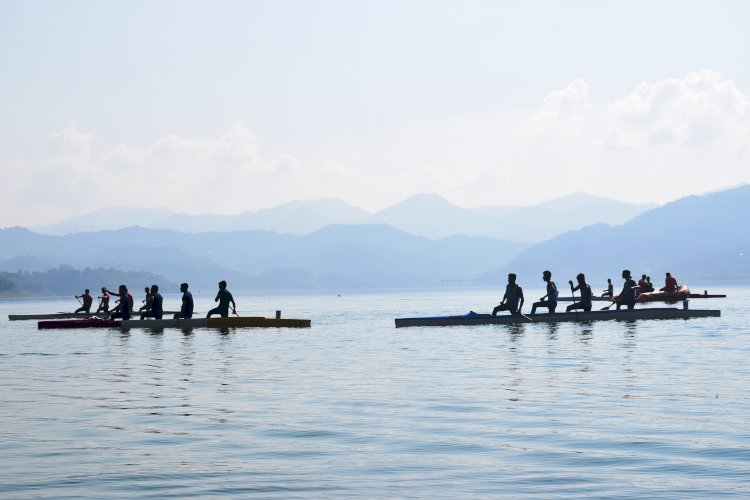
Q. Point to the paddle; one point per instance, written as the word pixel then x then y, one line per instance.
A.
pixel 610 305
pixel 235 312
pixel 573 293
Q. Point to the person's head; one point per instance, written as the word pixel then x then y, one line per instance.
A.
pixel 546 275
pixel 123 289
pixel 581 278
pixel 609 280
pixel 222 284
pixel 669 275
pixel 643 276
pixel 154 288
pixel 104 289
pixel 511 278
pixel 625 274
pixel 147 289
pixel 184 287
pixel 86 291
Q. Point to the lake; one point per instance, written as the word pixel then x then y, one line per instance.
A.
pixel 354 407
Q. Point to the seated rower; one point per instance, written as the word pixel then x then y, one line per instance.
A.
pixel 610 289
pixel 629 292
pixel 147 302
pixel 670 284
pixel 126 304
pixel 551 296
pixel 186 310
pixel 585 302
pixel 87 301
pixel 103 302
pixel 512 299
pixel 156 309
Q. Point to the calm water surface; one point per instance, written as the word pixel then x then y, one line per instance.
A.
pixel 355 408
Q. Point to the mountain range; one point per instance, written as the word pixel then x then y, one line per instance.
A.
pixel 337 256
pixel 426 215
pixel 695 238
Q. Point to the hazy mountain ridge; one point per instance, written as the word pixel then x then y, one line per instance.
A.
pixel 695 238
pixel 427 215
pixel 338 256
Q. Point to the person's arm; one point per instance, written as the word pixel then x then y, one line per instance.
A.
pixel 520 296
pixel 234 306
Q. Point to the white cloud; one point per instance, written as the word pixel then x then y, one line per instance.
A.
pixel 695 111
pixel 661 141
pixel 561 112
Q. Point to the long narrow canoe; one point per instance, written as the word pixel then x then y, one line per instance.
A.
pixel 59 315
pixel 68 315
pixel 473 318
pixel 234 322
pixel 230 322
pixel 77 323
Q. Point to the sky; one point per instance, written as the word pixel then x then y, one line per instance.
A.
pixel 229 106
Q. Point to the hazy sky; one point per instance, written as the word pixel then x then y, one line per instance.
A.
pixel 227 106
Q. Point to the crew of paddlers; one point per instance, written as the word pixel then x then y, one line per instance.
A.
pixel 153 304
pixel 513 298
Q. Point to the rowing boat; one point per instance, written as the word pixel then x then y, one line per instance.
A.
pixel 681 293
pixel 473 318
pixel 67 315
pixel 60 315
pixel 235 322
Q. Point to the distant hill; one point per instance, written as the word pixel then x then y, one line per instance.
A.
pixel 695 238
pixel 338 256
pixel 435 217
pixel 106 218
pixel 295 217
pixel 426 215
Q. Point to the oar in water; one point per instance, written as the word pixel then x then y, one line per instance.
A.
pixel 607 308
pixel 524 316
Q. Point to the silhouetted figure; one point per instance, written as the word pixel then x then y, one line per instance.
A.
pixel 628 293
pixel 670 284
pixel 610 291
pixel 125 309
pixel 186 310
pixel 643 285
pixel 551 296
pixel 156 307
pixel 147 302
pixel 103 302
pixel 650 285
pixel 585 302
pixel 87 301
pixel 512 299
pixel 224 298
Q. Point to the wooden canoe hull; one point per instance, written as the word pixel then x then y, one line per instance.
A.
pixel 241 322
pixel 622 315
